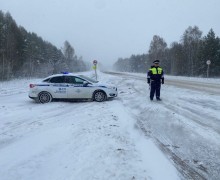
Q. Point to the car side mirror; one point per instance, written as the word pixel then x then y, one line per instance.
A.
pixel 85 83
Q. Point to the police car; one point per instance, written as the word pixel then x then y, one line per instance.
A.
pixel 70 86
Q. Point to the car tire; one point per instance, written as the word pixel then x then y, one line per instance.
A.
pixel 99 96
pixel 44 97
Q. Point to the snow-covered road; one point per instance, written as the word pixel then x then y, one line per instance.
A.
pixel 125 138
pixel 185 125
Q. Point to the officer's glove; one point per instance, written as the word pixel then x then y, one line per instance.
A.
pixel 162 82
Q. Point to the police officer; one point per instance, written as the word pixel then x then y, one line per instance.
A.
pixel 155 77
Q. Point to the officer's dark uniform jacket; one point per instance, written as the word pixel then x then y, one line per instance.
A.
pixel 155 77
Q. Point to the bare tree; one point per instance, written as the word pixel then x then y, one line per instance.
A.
pixel 157 48
pixel 191 41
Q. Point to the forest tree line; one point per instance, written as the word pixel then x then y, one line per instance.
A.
pixel 187 57
pixel 25 54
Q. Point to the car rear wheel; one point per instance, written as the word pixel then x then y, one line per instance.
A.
pixel 44 97
pixel 99 96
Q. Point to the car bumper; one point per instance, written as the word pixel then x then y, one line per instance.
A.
pixel 112 93
pixel 33 94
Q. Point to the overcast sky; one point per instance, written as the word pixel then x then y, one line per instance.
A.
pixel 108 29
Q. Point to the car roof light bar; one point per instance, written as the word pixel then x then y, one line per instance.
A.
pixel 65 72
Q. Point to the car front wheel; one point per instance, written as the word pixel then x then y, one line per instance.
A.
pixel 44 97
pixel 99 96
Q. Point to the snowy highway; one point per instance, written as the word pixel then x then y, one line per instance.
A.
pixel 185 125
pixel 126 138
pixel 201 84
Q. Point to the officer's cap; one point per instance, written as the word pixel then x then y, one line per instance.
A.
pixel 156 61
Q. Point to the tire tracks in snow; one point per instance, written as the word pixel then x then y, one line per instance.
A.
pixel 188 113
pixel 185 169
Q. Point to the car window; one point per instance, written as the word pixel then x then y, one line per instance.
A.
pixel 89 79
pixel 58 79
pixel 78 80
pixel 46 80
pixel 70 79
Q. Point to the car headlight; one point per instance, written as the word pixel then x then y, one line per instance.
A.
pixel 114 88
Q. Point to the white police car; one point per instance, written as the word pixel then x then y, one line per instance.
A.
pixel 70 86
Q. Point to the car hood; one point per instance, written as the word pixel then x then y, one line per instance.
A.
pixel 100 84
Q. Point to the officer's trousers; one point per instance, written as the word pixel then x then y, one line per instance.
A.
pixel 155 88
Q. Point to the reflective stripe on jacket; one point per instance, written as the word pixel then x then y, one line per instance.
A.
pixel 155 74
pixel 156 70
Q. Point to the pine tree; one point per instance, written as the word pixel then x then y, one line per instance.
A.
pixel 210 50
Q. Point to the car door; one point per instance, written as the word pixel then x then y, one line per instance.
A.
pixel 58 87
pixel 76 89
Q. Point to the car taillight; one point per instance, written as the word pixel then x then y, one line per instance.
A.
pixel 32 85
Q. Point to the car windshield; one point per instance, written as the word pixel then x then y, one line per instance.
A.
pixel 89 79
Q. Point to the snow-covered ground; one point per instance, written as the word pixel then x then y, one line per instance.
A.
pixel 126 138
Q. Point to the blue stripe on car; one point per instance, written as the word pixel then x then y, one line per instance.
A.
pixel 42 85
